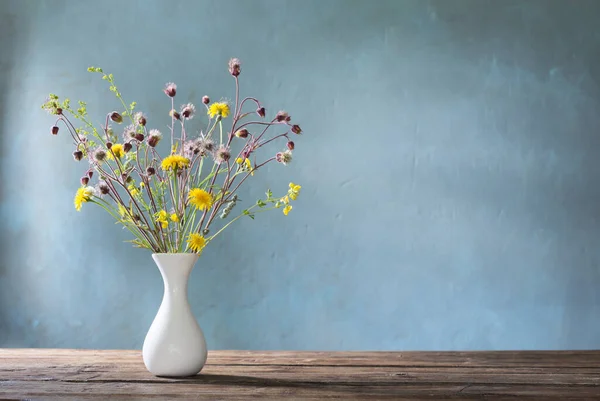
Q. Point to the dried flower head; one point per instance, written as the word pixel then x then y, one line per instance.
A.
pixel 84 180
pixel 150 170
pixel 205 99
pixel 222 154
pixel 242 133
pixel 290 145
pixel 126 147
pixel 129 133
pixel 261 111
pixel 78 155
pixel 282 116
pixel 284 157
pixel 170 89
pixel 99 155
pixel 116 117
pixel 234 67
pixel 102 188
pixel 54 130
pixel 139 137
pixel 206 145
pixel 187 111
pixel 109 145
pixel 154 137
pixel 191 147
pixel 140 118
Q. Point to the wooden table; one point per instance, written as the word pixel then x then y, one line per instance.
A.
pixel 52 374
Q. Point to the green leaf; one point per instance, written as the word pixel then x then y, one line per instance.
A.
pixel 269 194
pixel 261 203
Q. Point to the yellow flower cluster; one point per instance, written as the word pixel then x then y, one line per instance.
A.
pixel 246 164
pixel 293 193
pixel 196 242
pixel 218 109
pixel 174 162
pixel 201 199
pixel 162 218
pixel 84 194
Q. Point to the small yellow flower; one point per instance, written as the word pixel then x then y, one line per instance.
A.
pixel 249 166
pixel 239 160
pixel 133 190
pixel 118 151
pixel 161 217
pixel 175 218
pixel 122 210
pixel 294 187
pixel 218 109
pixel 174 162
pixel 287 209
pixel 200 199
pixel 285 199
pixel 196 242
pixel 84 194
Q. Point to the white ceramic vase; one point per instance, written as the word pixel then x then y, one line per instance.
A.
pixel 175 344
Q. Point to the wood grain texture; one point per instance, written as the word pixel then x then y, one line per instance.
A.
pixel 54 374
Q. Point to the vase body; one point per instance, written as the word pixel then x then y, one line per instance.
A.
pixel 175 344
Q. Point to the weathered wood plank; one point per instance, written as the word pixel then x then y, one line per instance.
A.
pixel 240 375
pixel 476 359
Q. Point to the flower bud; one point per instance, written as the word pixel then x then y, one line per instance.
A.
pixel 108 145
pixel 296 129
pixel 234 67
pixel 150 170
pixel 170 89
pixel 261 111
pixel 141 119
pixel 173 113
pixel 242 133
pixel 282 116
pixel 90 173
pixel 127 147
pixel 205 99
pixel 54 130
pixel 59 111
pixel 78 155
pixel 139 137
pixel 116 117
pixel 84 180
pixel 290 145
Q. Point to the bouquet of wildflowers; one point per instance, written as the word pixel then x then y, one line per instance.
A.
pixel 171 203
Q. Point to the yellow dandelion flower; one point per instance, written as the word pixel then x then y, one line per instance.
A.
pixel 200 199
pixel 118 151
pixel 218 109
pixel 287 209
pixel 84 194
pixel 174 162
pixel 175 218
pixel 161 217
pixel 196 242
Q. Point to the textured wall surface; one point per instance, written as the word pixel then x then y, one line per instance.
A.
pixel 450 170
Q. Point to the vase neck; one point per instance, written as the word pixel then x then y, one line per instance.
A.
pixel 175 269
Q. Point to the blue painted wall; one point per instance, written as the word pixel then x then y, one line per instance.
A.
pixel 450 170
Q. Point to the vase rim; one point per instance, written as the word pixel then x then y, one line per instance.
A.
pixel 176 253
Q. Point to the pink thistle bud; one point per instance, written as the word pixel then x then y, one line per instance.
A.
pixel 108 145
pixel 84 180
pixel 234 67
pixel 173 113
pixel 290 145
pixel 59 111
pixel 78 155
pixel 139 137
pixel 296 129
pixel 150 170
pixel 116 117
pixel 170 89
pixel 242 133
pixel 90 173
pixel 205 99
pixel 141 119
pixel 261 111
pixel 54 130
pixel 127 147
